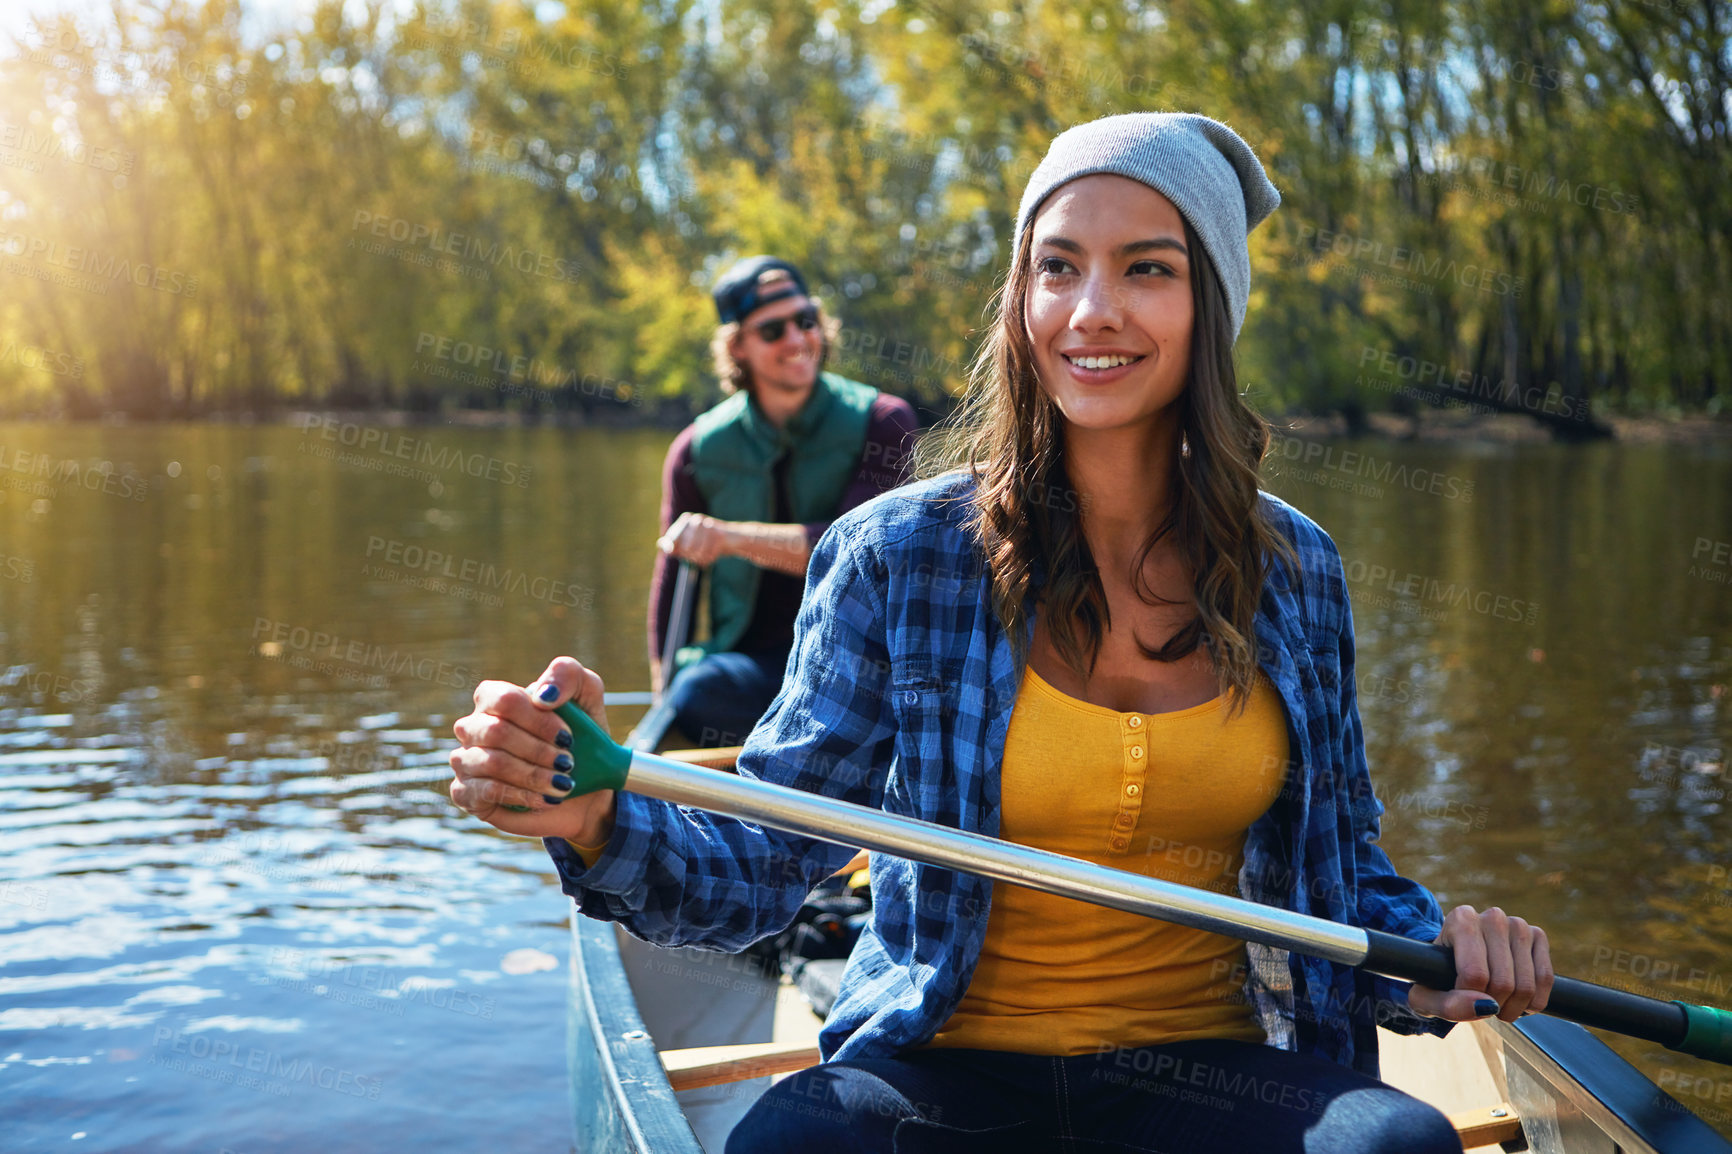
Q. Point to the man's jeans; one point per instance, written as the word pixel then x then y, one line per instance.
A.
pixel 718 700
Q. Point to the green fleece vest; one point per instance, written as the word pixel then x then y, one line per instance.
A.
pixel 734 455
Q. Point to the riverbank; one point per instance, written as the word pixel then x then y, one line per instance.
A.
pixel 1507 428
pixel 1428 425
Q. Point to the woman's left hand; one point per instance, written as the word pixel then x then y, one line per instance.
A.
pixel 1497 957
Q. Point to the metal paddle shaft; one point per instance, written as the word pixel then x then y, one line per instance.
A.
pixel 653 726
pixel 626 697
pixel 680 618
pixel 1699 1030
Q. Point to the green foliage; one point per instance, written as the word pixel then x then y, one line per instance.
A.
pixel 204 214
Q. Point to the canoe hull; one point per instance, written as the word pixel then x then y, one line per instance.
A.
pixel 1573 1094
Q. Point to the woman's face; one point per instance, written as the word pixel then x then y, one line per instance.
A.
pixel 1109 304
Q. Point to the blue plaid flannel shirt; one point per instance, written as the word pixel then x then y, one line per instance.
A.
pixel 898 696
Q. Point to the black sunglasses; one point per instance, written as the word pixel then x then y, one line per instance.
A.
pixel 771 331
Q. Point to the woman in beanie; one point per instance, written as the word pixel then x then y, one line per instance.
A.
pixel 1094 635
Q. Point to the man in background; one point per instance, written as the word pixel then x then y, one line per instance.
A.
pixel 748 488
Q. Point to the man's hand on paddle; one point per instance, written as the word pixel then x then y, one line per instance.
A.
pixel 1497 957
pixel 514 745
pixel 698 538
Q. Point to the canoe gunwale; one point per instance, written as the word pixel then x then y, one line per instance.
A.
pixel 1578 1069
pixel 621 1099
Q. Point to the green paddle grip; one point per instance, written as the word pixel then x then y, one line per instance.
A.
pixel 1707 1034
pixel 598 762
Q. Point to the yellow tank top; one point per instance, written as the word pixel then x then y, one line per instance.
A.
pixel 1169 795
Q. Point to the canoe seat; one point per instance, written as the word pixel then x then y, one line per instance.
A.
pixel 1462 1075
pixel 717 1065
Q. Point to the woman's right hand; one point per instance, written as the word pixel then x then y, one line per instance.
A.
pixel 513 745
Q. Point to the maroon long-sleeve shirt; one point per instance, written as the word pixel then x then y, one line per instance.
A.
pixel 890 430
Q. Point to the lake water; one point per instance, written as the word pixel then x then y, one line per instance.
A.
pixel 238 913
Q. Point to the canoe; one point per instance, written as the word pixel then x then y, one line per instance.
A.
pixel 668 1048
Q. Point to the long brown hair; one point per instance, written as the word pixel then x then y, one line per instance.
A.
pixel 1010 435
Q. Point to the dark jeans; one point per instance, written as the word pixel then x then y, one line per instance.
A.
pixel 1205 1097
pixel 718 700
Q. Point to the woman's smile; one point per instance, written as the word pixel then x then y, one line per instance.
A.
pixel 1093 366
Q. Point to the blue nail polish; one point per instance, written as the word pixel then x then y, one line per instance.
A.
pixel 1485 1006
pixel 563 739
pixel 551 800
pixel 562 782
pixel 549 693
pixel 562 762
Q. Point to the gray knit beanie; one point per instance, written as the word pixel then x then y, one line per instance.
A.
pixel 1202 166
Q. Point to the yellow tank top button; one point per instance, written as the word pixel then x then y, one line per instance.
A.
pixel 1122 819
pixel 1134 722
pixel 1136 751
pixel 1120 843
pixel 1133 789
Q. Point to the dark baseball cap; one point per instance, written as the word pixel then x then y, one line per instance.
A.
pixel 740 291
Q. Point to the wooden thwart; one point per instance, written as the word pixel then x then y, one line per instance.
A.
pixel 1487 1126
pixel 721 757
pixel 718 1065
